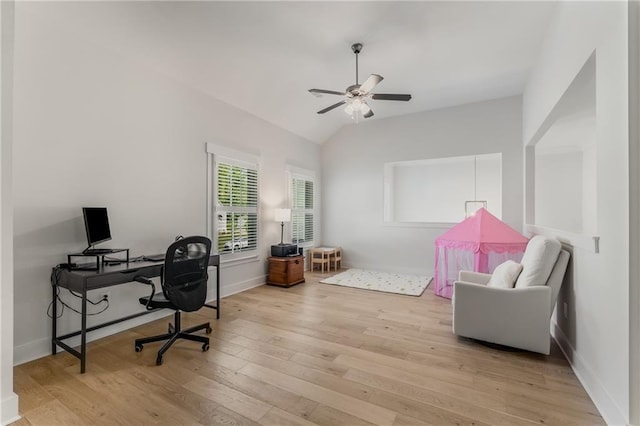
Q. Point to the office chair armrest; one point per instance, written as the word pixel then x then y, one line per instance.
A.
pixel 147 281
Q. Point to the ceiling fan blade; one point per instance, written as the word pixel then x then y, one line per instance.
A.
pixel 370 83
pixel 367 112
pixel 319 92
pixel 327 109
pixel 390 97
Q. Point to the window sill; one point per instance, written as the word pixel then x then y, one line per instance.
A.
pixel 227 263
pixel 583 241
pixel 306 244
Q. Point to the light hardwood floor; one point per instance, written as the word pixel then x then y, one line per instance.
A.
pixel 310 354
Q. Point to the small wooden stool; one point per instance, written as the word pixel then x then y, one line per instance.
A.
pixel 321 256
pixel 336 258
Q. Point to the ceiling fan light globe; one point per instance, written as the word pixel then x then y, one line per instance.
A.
pixel 357 103
pixel 349 109
pixel 364 108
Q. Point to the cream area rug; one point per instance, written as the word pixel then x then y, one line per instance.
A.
pixel 411 285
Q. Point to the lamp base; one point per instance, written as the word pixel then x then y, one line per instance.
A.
pixel 281 232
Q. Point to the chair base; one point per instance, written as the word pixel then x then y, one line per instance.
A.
pixel 175 333
pixel 496 346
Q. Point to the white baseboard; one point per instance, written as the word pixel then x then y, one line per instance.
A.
pixel 31 350
pixel 42 347
pixel 607 406
pixel 242 286
pixel 9 409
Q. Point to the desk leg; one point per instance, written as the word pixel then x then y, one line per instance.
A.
pixel 218 291
pixel 83 334
pixel 54 320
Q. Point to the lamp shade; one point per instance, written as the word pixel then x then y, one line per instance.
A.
pixel 282 215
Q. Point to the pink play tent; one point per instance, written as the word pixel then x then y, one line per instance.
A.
pixel 479 243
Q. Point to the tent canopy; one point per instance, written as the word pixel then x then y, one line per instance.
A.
pixel 483 232
pixel 479 243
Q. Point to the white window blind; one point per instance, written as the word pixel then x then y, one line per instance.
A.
pixel 302 210
pixel 235 207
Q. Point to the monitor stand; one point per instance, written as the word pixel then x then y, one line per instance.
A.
pixel 91 250
pixel 99 257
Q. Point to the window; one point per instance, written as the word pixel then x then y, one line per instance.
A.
pixel 234 204
pixel 436 190
pixel 302 209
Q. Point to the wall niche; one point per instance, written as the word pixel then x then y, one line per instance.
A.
pixel 561 165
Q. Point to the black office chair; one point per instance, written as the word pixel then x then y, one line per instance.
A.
pixel 184 288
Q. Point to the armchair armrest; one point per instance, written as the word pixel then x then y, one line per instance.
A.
pixel 147 281
pixel 517 317
pixel 474 277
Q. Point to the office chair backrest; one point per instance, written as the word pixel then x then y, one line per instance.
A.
pixel 184 277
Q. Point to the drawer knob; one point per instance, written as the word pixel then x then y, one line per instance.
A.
pixel 297 261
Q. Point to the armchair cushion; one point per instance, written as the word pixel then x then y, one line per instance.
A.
pixel 505 275
pixel 474 277
pixel 538 261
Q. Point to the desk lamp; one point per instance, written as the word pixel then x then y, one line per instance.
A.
pixel 282 216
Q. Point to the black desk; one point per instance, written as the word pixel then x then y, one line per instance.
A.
pixel 82 281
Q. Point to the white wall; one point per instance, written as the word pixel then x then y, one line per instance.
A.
pixel 92 128
pixel 352 170
pixel 634 211
pixel 595 333
pixel 8 399
pixel 559 202
pixel 411 186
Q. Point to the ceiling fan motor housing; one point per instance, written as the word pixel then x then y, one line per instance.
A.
pixel 353 90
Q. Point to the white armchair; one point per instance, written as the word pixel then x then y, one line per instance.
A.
pixel 518 317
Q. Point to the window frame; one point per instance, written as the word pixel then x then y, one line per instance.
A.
pixel 307 175
pixel 218 154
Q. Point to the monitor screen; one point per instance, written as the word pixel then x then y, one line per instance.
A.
pixel 96 224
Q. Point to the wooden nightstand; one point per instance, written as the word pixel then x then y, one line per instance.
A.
pixel 286 271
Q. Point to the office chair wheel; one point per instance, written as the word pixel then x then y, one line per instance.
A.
pixel 159 360
pixel 139 348
pixel 205 347
pixel 208 330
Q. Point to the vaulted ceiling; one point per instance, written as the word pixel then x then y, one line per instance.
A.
pixel 262 57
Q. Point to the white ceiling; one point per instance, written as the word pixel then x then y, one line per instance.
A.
pixel 262 57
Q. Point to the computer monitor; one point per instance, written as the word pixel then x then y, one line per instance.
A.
pixel 96 223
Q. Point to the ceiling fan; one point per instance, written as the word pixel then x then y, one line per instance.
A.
pixel 357 95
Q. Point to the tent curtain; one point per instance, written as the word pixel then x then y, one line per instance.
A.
pixel 479 243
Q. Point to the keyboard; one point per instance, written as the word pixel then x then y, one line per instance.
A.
pixel 97 251
pixel 154 258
